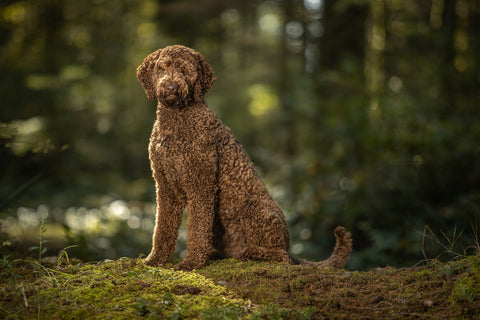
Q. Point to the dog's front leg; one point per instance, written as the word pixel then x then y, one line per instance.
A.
pixel 201 206
pixel 167 222
pixel 200 215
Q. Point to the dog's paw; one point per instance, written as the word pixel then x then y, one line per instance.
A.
pixel 151 263
pixel 153 260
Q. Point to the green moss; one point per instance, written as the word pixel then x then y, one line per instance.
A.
pixel 465 291
pixel 124 289
pixel 229 289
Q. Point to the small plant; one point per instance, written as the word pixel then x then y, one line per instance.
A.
pixel 41 248
pixel 5 262
pixel 7 271
pixel 63 254
pixel 141 307
pixel 476 240
pixel 450 245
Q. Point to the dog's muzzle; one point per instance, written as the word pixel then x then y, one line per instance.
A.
pixel 170 93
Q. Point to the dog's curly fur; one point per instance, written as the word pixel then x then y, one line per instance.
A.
pixel 197 164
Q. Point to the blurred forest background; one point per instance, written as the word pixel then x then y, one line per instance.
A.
pixel 359 113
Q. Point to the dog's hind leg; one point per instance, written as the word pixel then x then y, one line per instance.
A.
pixel 264 254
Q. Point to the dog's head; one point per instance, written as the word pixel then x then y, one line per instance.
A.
pixel 175 75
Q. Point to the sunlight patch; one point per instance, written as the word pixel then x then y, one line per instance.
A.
pixel 263 100
pixel 270 23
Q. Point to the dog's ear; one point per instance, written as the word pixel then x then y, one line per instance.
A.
pixel 205 77
pixel 145 74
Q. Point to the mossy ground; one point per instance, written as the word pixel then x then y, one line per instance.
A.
pixel 229 289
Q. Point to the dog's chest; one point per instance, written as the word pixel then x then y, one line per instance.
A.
pixel 168 148
pixel 177 150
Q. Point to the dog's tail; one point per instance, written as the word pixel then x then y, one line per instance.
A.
pixel 341 252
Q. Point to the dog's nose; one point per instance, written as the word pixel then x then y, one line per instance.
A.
pixel 171 86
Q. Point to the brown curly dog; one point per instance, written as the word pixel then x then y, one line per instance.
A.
pixel 197 164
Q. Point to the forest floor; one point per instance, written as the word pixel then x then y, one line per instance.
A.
pixel 229 289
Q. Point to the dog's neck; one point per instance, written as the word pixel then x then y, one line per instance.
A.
pixel 163 108
pixel 168 116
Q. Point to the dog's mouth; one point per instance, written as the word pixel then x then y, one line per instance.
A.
pixel 171 99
